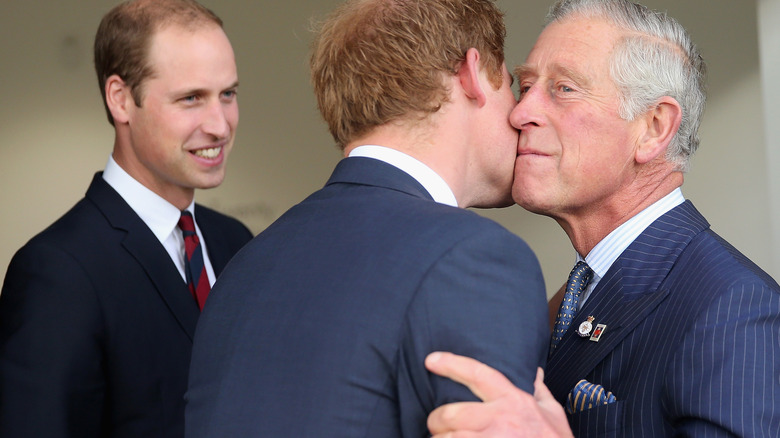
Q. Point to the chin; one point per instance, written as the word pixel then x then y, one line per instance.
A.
pixel 209 183
pixel 533 207
pixel 520 198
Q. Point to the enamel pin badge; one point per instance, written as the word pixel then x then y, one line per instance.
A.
pixel 585 328
pixel 600 328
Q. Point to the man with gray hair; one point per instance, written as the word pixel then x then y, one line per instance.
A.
pixel 663 329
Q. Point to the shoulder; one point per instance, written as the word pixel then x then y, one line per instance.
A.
pixel 709 259
pixel 82 224
pixel 459 221
pixel 476 231
pixel 735 326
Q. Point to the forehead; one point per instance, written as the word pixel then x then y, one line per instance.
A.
pixel 576 45
pixel 203 52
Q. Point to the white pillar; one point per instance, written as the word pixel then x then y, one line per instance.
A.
pixel 769 52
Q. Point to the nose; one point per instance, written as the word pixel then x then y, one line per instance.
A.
pixel 528 111
pixel 217 120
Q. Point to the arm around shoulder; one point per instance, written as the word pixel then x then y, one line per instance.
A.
pixel 484 298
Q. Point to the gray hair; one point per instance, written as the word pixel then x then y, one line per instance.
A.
pixel 655 59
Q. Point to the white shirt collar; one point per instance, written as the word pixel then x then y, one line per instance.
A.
pixel 604 254
pixel 158 214
pixel 430 180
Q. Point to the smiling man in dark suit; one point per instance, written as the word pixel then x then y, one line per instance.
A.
pixel 321 325
pixel 673 332
pixel 98 312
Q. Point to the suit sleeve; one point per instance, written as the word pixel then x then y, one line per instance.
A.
pixel 724 380
pixel 51 382
pixel 485 299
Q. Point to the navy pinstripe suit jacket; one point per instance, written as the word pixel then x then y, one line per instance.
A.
pixel 692 343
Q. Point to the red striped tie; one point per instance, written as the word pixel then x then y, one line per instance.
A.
pixel 197 279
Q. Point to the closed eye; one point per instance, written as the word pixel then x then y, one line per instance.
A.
pixel 524 87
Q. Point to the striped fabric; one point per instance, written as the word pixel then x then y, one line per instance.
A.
pixel 586 395
pixel 691 345
pixel 197 278
pixel 601 257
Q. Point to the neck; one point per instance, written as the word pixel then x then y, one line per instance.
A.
pixel 180 197
pixel 589 227
pixel 421 143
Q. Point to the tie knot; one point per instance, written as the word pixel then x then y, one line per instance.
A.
pixel 186 223
pixel 579 277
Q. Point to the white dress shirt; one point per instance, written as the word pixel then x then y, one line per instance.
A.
pixel 430 180
pixel 604 254
pixel 159 215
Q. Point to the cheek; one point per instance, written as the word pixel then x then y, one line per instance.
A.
pixel 593 141
pixel 231 115
pixel 181 127
pixel 165 125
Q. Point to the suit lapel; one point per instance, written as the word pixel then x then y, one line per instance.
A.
pixel 143 246
pixel 628 293
pixel 575 357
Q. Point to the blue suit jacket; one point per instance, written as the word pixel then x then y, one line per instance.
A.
pixel 691 345
pixel 320 326
pixel 96 324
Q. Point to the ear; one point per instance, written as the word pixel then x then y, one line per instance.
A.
pixel 118 98
pixel 660 125
pixel 469 75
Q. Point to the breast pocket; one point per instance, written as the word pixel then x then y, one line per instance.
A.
pixel 601 421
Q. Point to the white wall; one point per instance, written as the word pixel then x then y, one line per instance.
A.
pixel 769 32
pixel 54 133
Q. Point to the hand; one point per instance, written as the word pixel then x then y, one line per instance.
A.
pixel 506 411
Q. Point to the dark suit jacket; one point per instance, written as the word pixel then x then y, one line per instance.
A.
pixel 691 345
pixel 96 324
pixel 320 326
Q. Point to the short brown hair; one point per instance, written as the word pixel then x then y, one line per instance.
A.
pixel 377 61
pixel 123 38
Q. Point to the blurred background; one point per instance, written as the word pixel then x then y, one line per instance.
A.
pixel 54 135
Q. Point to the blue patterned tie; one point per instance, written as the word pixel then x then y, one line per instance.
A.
pixel 578 280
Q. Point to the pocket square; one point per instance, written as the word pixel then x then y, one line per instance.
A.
pixel 586 395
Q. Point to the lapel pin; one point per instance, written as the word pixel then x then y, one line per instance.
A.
pixel 585 328
pixel 600 328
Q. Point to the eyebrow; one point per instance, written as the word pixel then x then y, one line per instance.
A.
pixel 201 91
pixel 522 71
pixel 526 70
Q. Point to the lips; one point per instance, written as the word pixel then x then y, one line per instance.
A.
pixel 524 149
pixel 525 152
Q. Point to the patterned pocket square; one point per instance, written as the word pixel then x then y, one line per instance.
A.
pixel 586 395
